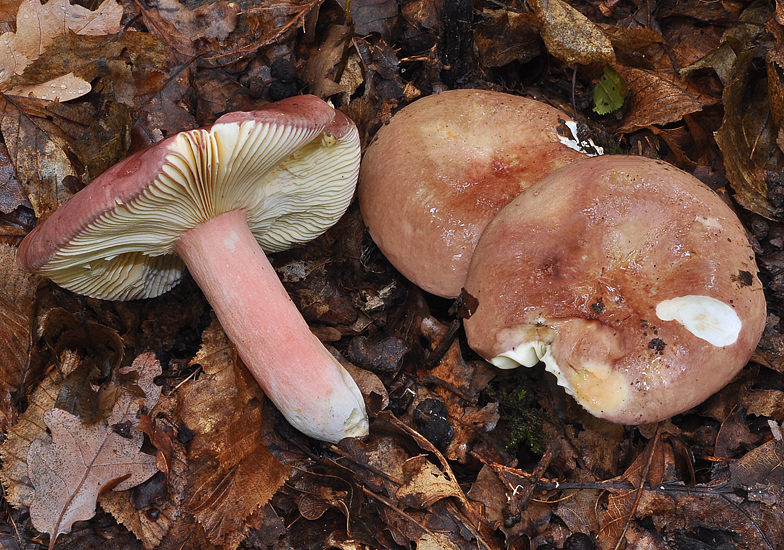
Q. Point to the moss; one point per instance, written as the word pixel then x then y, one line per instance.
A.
pixel 520 424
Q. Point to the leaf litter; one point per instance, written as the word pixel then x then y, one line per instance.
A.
pixel 460 455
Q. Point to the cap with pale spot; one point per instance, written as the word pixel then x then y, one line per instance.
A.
pixel 629 279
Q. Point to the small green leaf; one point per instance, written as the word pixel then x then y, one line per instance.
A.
pixel 610 91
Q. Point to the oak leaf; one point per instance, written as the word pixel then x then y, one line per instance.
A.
pixel 71 469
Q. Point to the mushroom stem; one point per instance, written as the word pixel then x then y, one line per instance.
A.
pixel 307 384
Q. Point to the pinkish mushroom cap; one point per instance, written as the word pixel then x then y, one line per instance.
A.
pixel 434 177
pixel 207 199
pixel 632 281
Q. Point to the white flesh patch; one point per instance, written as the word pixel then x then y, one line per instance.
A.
pixel 703 316
pixel 596 387
pixel 587 147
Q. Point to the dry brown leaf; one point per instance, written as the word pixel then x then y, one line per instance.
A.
pixel 233 474
pixel 39 154
pixel 19 492
pixel 747 138
pixel 425 484
pixel 570 36
pixel 70 469
pixel 17 309
pixel 214 20
pixel 322 65
pixel 38 25
pixel 654 99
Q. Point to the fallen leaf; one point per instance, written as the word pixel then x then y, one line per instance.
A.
pixel 17 310
pixel 151 513
pixel 70 470
pixel 320 72
pixel 610 92
pixel 38 25
pixel 213 20
pixel 503 36
pixel 232 473
pixel 11 193
pixel 747 138
pixel 570 36
pixel 425 484
pixel 19 491
pixel 654 99
pixel 39 152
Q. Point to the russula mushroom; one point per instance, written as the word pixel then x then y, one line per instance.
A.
pixel 632 281
pixel 207 199
pixel 438 172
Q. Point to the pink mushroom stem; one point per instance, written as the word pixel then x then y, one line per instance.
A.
pixel 307 384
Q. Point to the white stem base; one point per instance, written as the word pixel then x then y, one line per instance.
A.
pixel 312 390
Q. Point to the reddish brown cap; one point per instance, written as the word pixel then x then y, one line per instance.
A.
pixel 440 170
pixel 633 282
pixel 291 166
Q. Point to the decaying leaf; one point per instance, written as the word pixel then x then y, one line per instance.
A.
pixel 747 138
pixel 36 27
pixel 570 36
pixel 321 71
pixel 654 99
pixel 39 153
pixel 19 491
pixel 11 193
pixel 71 468
pixel 151 510
pixel 425 484
pixel 233 474
pixel 212 20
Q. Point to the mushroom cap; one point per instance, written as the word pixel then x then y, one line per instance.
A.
pixel 434 177
pixel 632 281
pixel 292 166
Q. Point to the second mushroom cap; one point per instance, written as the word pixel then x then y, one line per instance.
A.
pixel 632 281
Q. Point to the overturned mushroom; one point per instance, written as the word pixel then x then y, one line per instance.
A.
pixel 206 199
pixel 434 177
pixel 632 281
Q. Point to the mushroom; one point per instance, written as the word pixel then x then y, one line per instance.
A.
pixel 434 177
pixel 207 199
pixel 632 281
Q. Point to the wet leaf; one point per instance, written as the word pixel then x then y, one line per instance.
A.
pixel 570 36
pixel 610 92
pixel 37 26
